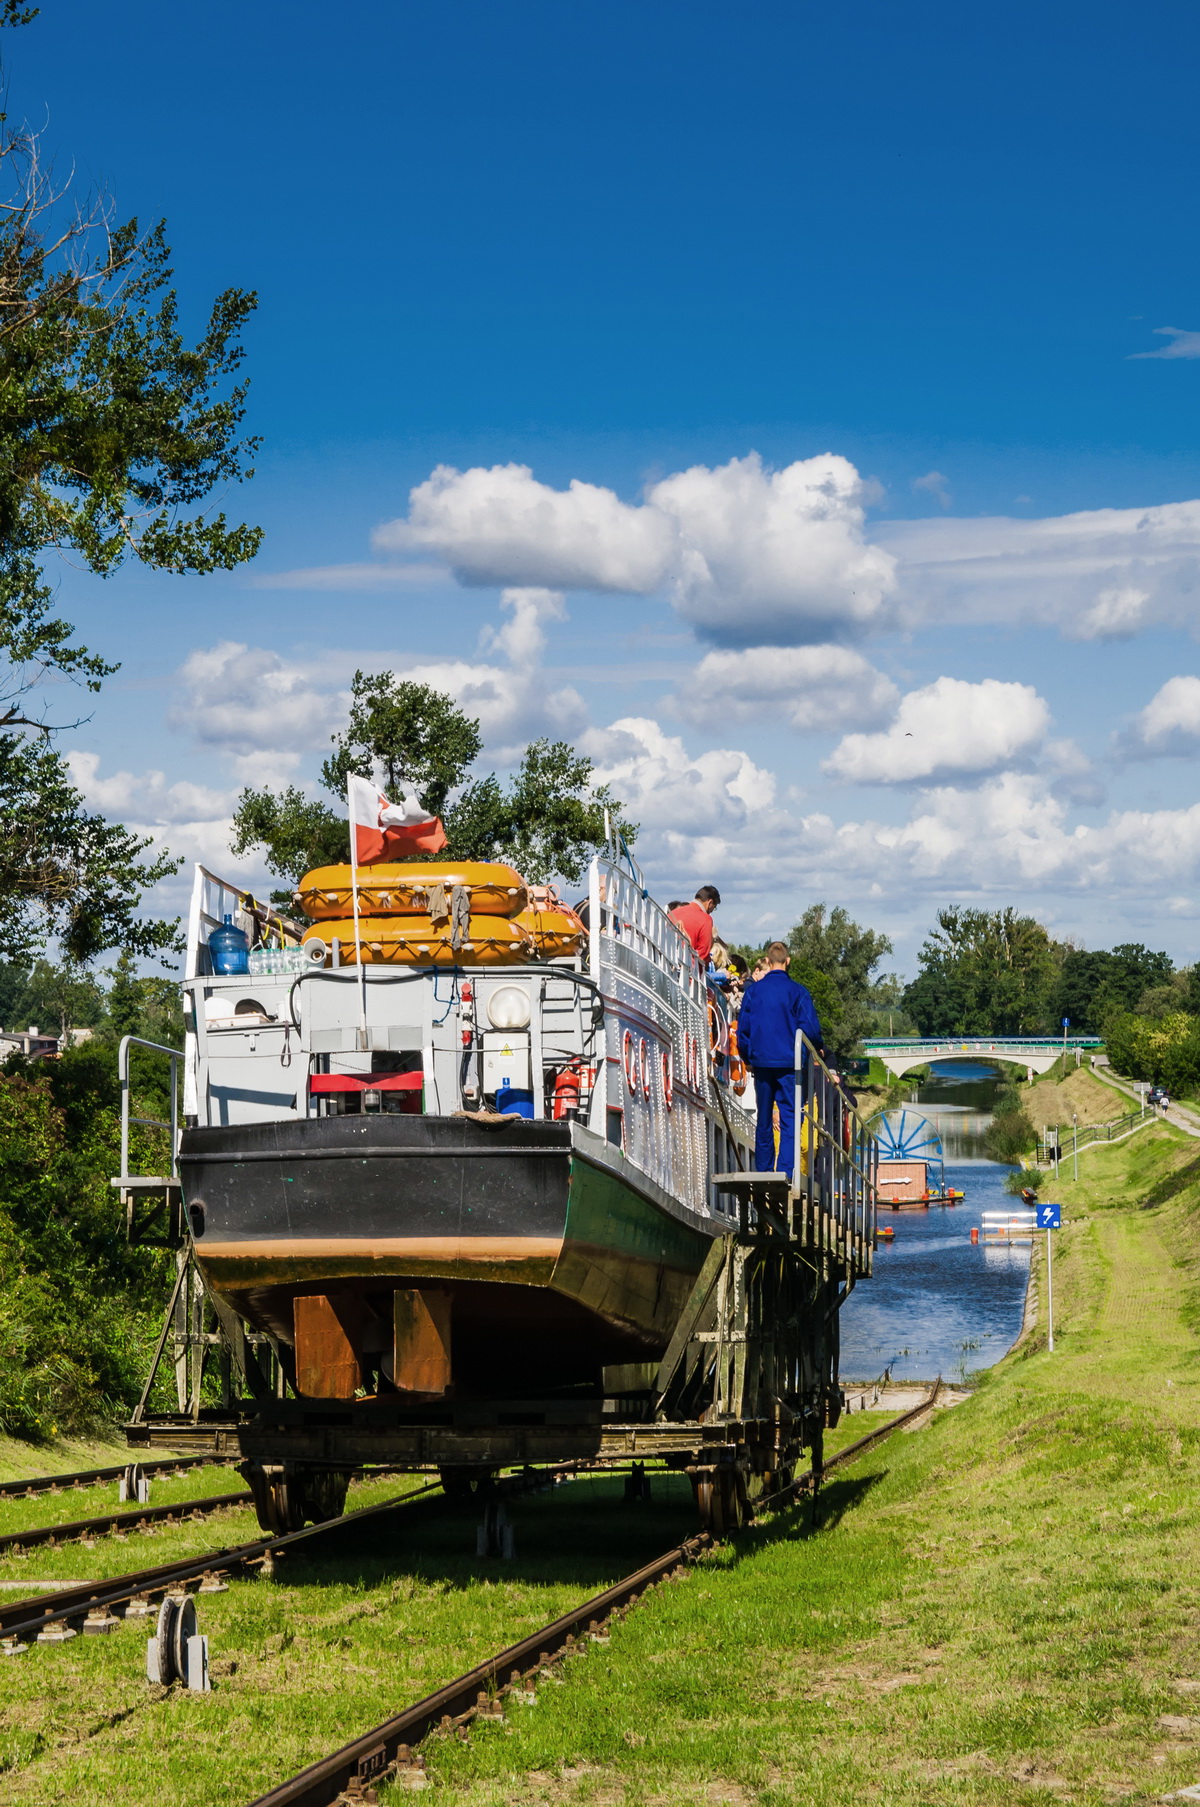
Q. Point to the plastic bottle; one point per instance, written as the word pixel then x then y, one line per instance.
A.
pixel 228 949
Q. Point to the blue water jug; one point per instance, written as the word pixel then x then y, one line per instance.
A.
pixel 229 949
pixel 511 1100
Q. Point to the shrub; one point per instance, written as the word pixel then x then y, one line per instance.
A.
pixel 78 1306
pixel 1010 1135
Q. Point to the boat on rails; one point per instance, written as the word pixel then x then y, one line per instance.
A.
pixel 461 1173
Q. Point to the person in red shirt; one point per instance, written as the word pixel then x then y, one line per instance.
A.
pixel 695 919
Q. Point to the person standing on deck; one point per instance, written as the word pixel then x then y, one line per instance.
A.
pixel 695 919
pixel 771 1013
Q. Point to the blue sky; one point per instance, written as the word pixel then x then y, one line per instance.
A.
pixel 617 243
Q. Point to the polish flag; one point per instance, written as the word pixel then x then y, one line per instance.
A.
pixel 389 831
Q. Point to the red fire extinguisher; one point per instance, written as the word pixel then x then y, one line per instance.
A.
pixel 567 1089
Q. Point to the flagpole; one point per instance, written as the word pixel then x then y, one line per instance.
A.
pixel 362 976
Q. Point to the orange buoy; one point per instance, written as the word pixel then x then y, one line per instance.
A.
pixel 419 941
pixel 555 932
pixel 403 889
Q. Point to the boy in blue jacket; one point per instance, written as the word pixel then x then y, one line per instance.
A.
pixel 772 1010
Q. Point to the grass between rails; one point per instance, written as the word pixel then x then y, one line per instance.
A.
pixel 1001 1608
pixel 343 1637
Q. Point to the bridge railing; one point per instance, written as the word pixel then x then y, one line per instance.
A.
pixel 979 1044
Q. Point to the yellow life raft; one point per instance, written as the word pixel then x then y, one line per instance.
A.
pixel 419 941
pixel 403 890
pixel 554 932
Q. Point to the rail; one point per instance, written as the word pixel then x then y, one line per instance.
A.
pixel 349 1774
pixel 89 1477
pixel 836 1157
pixel 104 1522
pixel 21 1620
pixel 1069 1140
pixel 125 1179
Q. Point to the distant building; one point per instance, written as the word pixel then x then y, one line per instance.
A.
pixel 29 1042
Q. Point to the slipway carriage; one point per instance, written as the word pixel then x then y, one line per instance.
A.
pixel 377 1265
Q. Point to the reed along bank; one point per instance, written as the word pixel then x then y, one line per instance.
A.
pixel 1003 1607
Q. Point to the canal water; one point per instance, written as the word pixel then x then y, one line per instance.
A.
pixel 938 1303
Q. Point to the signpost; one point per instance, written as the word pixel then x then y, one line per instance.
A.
pixel 1049 1217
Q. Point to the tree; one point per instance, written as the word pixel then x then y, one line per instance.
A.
pixel 1095 986
pixel 1166 1051
pixel 413 739
pixel 847 954
pixel 983 973
pixel 409 736
pixel 297 833
pixel 66 870
pixel 56 998
pixel 112 430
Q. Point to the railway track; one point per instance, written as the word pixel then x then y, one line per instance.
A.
pixel 387 1750
pixel 98 1606
pixel 90 1477
pixel 102 1523
pixel 92 1606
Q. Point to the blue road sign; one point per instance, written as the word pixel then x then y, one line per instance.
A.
pixel 1066 1022
pixel 1049 1217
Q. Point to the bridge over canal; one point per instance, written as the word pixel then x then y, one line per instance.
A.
pixel 901 1055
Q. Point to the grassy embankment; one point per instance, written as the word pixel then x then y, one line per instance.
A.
pixel 1001 1608
pixel 1068 1090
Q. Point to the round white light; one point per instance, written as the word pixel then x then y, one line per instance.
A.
pixel 508 1008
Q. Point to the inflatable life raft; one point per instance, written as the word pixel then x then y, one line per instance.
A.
pixel 419 941
pixel 554 933
pixel 403 890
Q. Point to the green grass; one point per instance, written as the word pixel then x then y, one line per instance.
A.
pixel 1000 1608
pixel 328 1648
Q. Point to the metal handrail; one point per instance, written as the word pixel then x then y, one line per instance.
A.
pixel 836 1156
pixel 176 1055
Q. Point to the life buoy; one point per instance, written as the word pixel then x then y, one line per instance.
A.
pixel 419 941
pixel 668 1078
pixel 402 889
pixel 629 1061
pixel 645 1060
pixel 738 1075
pixel 553 932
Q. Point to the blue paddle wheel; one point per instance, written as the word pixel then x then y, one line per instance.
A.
pixel 905 1135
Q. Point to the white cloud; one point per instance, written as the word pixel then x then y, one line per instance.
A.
pixel 1116 614
pixel 190 821
pixel 750 555
pixel 267 715
pixel 1103 573
pixel 936 485
pixel 1181 344
pixel 1170 722
pixel 248 702
pixel 815 688
pixel 678 799
pixel 501 526
pixel 146 795
pixel 776 557
pixel 1009 839
pixel 949 727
